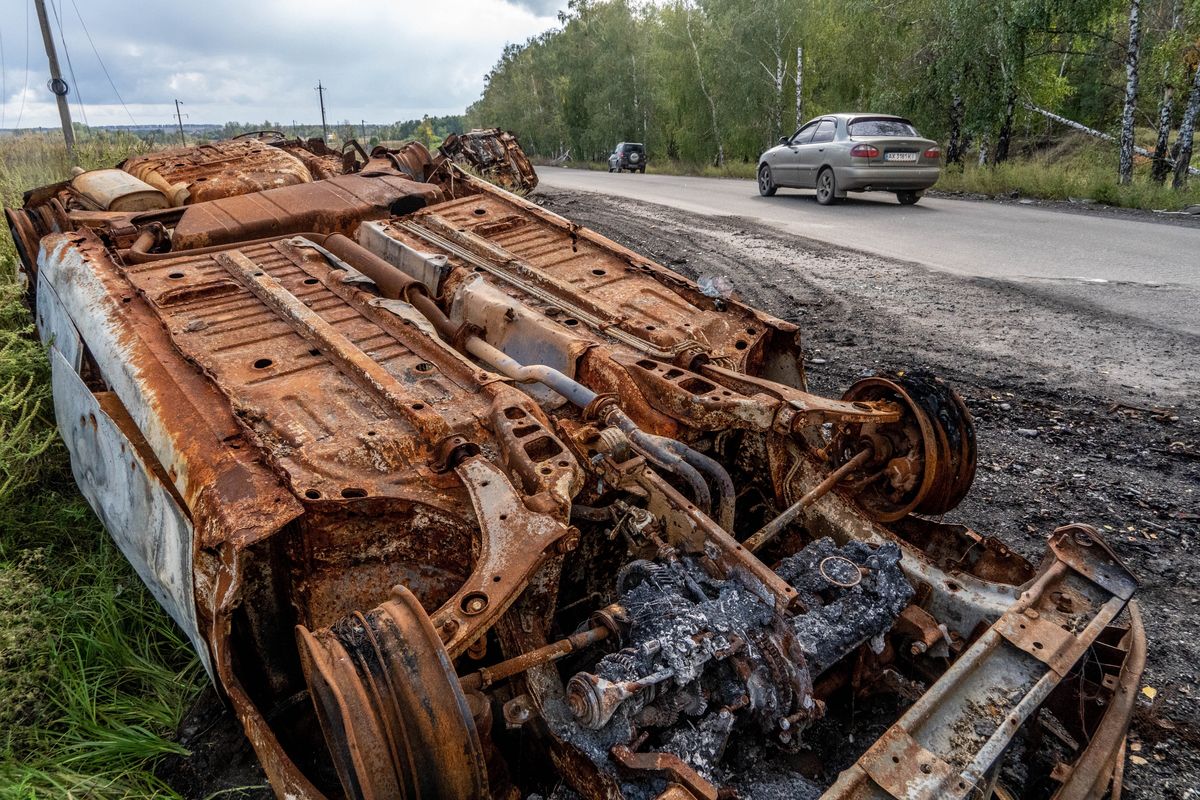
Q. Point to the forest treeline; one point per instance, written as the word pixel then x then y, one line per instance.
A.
pixel 705 81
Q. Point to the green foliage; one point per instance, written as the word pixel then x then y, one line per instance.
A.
pixel 614 70
pixel 94 675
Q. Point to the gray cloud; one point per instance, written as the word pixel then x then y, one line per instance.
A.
pixel 260 59
pixel 542 8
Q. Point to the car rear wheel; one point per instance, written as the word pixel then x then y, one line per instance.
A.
pixel 908 198
pixel 826 187
pixel 766 181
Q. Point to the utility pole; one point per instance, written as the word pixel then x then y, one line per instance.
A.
pixel 179 117
pixel 57 85
pixel 364 130
pixel 324 127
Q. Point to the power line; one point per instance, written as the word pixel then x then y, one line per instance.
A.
pixel 70 67
pixel 101 60
pixel 25 90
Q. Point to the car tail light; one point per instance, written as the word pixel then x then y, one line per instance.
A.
pixel 865 151
pixel 933 152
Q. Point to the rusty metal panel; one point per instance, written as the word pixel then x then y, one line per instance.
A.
pixel 214 170
pixel 346 408
pixel 337 205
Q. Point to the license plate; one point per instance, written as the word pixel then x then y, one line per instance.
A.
pixel 899 156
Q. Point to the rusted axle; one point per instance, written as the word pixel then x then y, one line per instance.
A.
pixel 775 526
pixel 534 658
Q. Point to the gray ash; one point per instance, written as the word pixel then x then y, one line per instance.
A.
pixel 705 656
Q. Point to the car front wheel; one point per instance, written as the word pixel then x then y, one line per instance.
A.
pixel 766 182
pixel 826 187
pixel 908 198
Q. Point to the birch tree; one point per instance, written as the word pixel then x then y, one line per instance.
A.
pixel 1132 51
pixel 1187 131
pixel 1166 105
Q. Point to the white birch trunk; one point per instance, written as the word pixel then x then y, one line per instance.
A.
pixel 799 88
pixel 1187 132
pixel 1160 168
pixel 1125 170
pixel 1070 123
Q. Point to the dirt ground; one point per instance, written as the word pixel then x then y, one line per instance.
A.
pixel 1083 414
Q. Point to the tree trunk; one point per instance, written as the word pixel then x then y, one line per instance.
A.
pixel 1125 171
pixel 983 150
pixel 1070 123
pixel 1187 130
pixel 712 106
pixel 799 88
pixel 1006 128
pixel 954 147
pixel 1166 107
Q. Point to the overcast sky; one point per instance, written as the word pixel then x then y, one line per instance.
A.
pixel 253 60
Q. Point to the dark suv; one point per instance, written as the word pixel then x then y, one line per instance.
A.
pixel 628 155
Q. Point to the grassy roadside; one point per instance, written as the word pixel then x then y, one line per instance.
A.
pixel 1075 167
pixel 94 676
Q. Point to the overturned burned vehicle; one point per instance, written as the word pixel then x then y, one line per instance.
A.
pixel 457 499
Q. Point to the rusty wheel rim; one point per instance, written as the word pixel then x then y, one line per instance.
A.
pixel 394 716
pixel 936 427
pixel 872 486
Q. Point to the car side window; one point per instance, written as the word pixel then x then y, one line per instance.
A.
pixel 824 131
pixel 805 134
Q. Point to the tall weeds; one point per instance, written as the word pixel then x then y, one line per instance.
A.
pixel 94 676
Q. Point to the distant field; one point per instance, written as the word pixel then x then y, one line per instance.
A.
pixel 94 675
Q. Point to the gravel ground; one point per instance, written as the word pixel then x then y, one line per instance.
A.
pixel 1083 414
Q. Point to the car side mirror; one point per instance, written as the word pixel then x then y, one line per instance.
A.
pixel 784 140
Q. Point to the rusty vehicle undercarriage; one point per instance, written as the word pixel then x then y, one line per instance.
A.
pixel 457 499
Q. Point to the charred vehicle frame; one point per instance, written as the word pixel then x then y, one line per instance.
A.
pixel 441 486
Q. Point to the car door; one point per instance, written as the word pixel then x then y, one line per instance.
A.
pixel 784 168
pixel 811 155
pixel 614 160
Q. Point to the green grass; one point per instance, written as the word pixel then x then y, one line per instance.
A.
pixel 1076 167
pixel 94 676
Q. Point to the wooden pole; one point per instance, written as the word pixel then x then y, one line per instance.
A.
pixel 179 119
pixel 57 85
pixel 324 127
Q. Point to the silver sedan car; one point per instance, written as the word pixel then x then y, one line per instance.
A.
pixel 840 153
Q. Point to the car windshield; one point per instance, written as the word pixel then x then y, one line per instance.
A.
pixel 881 127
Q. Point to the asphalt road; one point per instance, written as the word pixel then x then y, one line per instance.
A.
pixel 996 240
